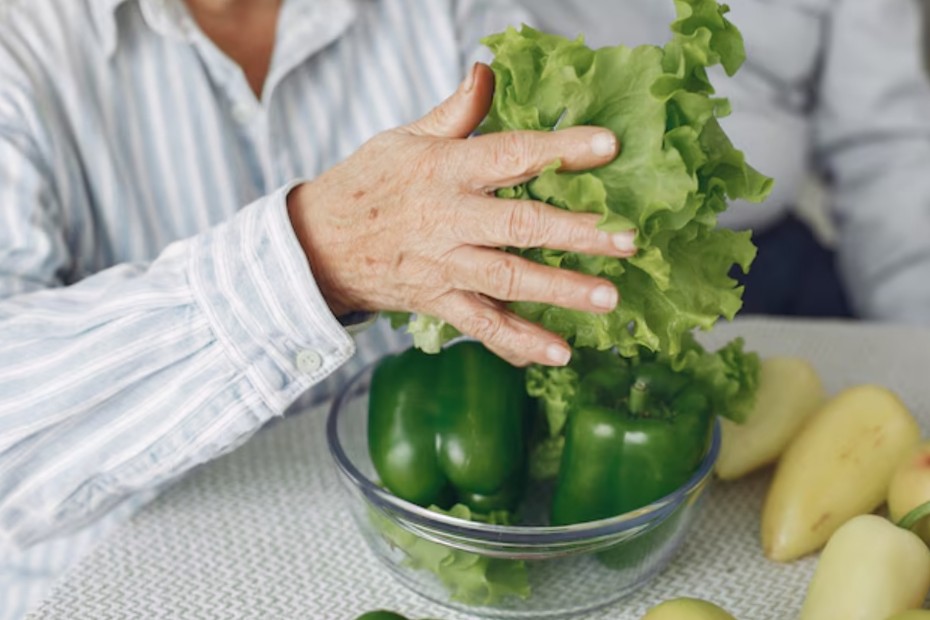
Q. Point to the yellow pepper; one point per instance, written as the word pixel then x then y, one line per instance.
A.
pixel 687 609
pixel 910 487
pixel 869 570
pixel 840 465
pixel 790 391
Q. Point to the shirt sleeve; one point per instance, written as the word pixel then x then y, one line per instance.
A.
pixel 873 140
pixel 132 376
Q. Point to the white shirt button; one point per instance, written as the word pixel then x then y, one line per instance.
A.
pixel 309 361
pixel 243 113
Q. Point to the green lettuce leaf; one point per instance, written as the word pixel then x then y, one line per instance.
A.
pixel 470 578
pixel 675 173
pixel 555 388
pixel 730 376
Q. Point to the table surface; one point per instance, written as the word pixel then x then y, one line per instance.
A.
pixel 263 533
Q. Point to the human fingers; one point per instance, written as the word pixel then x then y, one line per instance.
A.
pixel 531 224
pixel 460 114
pixel 516 340
pixel 508 277
pixel 507 158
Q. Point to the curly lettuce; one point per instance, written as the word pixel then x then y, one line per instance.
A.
pixel 470 578
pixel 675 173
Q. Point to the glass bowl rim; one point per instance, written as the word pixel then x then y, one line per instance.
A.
pixel 455 527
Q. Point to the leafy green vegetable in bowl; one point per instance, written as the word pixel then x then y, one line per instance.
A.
pixel 449 432
pixel 509 562
pixel 470 578
pixel 675 173
pixel 624 436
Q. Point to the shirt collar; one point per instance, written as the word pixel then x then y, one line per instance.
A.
pixel 103 13
pixel 311 25
pixel 163 16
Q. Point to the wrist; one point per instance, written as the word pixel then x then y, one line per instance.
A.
pixel 299 202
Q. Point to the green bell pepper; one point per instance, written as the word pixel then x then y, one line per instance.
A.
pixel 450 427
pixel 634 435
pixel 381 614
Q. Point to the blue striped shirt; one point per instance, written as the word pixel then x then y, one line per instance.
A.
pixel 155 306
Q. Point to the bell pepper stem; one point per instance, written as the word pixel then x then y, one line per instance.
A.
pixel 639 394
pixel 915 516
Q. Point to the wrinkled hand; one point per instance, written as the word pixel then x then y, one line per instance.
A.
pixel 410 223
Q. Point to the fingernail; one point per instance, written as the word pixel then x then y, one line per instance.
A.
pixel 605 297
pixel 604 143
pixel 558 354
pixel 470 79
pixel 624 241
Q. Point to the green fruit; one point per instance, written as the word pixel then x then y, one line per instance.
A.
pixel 687 609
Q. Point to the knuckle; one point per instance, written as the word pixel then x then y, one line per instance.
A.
pixel 420 168
pixel 512 155
pixel 446 271
pixel 526 224
pixel 428 161
pixel 562 289
pixel 582 233
pixel 503 277
pixel 459 225
pixel 487 327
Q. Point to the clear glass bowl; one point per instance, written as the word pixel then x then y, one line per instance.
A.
pixel 506 571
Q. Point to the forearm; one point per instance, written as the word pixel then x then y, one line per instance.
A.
pixel 133 376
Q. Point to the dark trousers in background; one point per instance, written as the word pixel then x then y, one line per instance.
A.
pixel 793 275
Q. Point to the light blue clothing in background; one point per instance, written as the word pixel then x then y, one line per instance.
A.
pixel 155 306
pixel 832 87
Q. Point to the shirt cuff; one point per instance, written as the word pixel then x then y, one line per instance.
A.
pixel 356 322
pixel 253 281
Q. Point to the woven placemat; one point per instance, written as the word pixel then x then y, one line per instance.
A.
pixel 263 533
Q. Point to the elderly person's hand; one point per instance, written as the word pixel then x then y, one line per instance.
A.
pixel 409 222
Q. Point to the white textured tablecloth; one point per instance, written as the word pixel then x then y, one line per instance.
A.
pixel 262 533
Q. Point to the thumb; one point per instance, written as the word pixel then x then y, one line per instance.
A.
pixel 460 114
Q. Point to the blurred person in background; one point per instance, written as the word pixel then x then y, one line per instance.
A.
pixel 192 233
pixel 832 90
